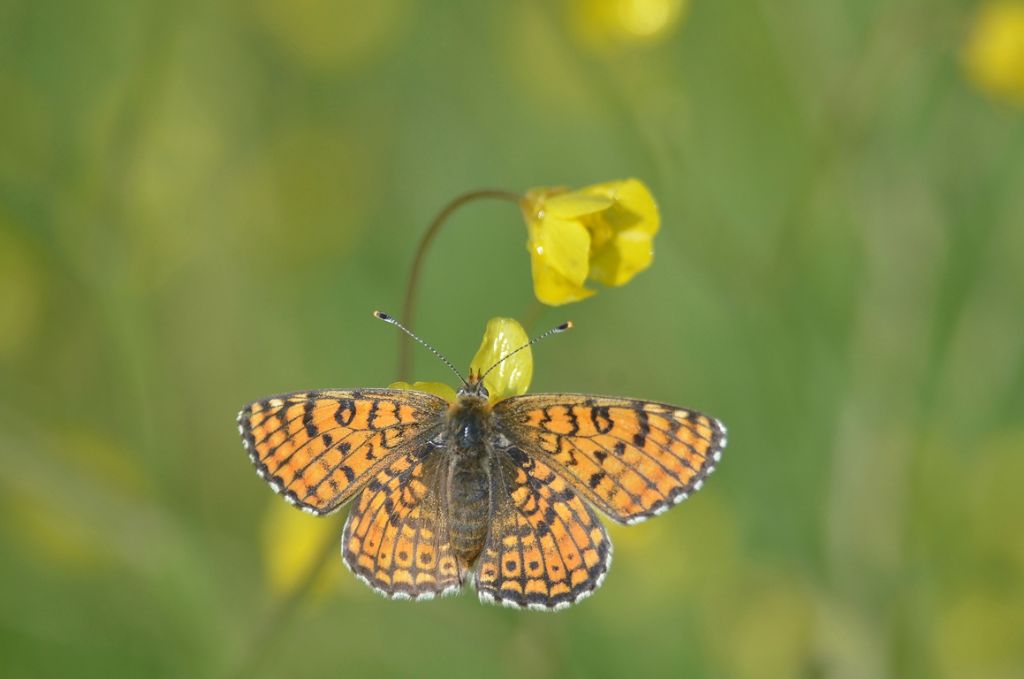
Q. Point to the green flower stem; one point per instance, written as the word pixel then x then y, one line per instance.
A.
pixel 286 607
pixel 409 305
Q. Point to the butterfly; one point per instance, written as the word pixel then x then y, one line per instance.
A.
pixel 503 496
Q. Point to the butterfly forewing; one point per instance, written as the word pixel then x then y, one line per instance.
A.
pixel 545 549
pixel 318 448
pixel 632 459
pixel 544 546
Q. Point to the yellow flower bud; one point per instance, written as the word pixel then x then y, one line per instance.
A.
pixel 604 232
pixel 512 377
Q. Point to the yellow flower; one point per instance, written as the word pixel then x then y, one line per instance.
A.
pixel 512 378
pixel 994 53
pixel 603 232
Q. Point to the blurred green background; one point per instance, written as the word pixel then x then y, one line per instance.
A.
pixel 201 203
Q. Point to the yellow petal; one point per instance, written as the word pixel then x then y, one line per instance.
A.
pixel 559 252
pixel 629 253
pixel 634 206
pixel 292 544
pixel 564 246
pixel 576 204
pixel 512 377
pixel 551 287
pixel 622 236
pixel 533 204
pixel 437 388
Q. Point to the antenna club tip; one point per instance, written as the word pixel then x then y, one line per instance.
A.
pixel 382 316
pixel 565 326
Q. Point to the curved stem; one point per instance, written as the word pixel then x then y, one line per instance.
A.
pixel 409 305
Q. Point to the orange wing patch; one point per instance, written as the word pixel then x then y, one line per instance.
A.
pixel 632 459
pixel 318 448
pixel 396 538
pixel 546 549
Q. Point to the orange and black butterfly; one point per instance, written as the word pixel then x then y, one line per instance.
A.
pixel 499 495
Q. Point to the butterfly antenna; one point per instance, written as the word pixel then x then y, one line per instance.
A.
pixel 553 331
pixel 391 319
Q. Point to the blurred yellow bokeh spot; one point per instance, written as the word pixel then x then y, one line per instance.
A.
pixel 994 52
pixel 68 487
pixel 292 543
pixel 993 495
pixel 692 555
pixel 20 293
pixel 103 462
pixel 52 536
pixel 318 180
pixel 980 634
pixel 774 634
pixel 608 24
pixel 334 35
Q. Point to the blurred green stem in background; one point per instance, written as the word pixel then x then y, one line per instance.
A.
pixel 283 611
pixel 286 607
pixel 409 304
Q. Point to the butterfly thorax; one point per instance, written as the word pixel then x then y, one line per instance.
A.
pixel 469 476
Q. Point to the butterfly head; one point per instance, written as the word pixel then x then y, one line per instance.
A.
pixel 473 388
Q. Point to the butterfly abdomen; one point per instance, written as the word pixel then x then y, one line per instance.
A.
pixel 469 480
pixel 468 508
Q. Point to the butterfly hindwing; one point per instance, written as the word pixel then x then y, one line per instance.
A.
pixel 545 548
pixel 632 459
pixel 396 538
pixel 317 448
